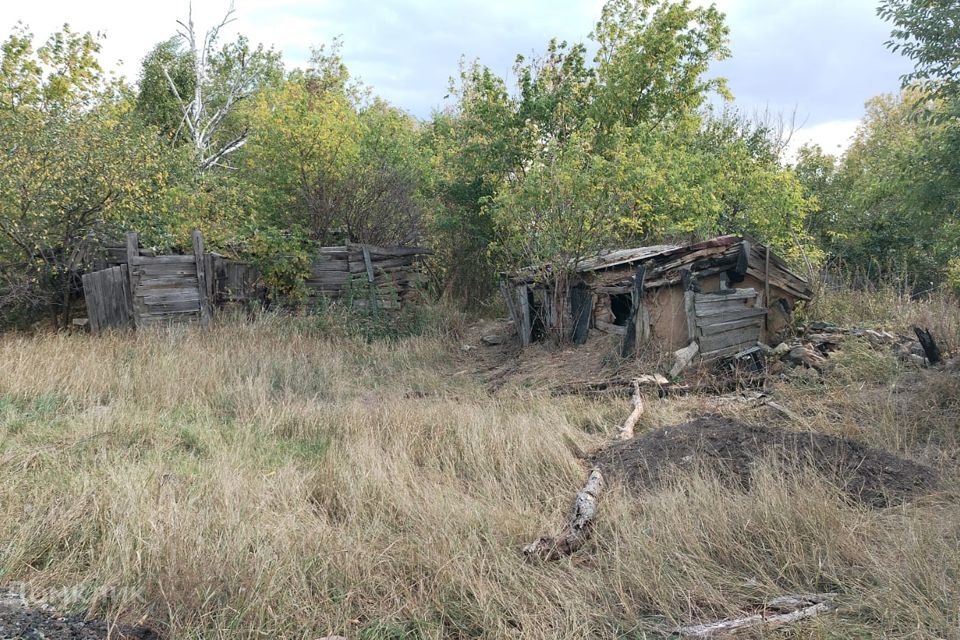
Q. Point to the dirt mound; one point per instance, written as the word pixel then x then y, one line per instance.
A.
pixel 730 449
pixel 38 623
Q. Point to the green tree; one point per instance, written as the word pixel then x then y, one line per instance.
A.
pixel 78 166
pixel 621 150
pixel 887 208
pixel 653 58
pixel 320 166
pixel 476 146
pixel 928 33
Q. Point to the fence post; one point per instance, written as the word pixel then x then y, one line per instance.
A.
pixel 371 287
pixel 201 278
pixel 133 252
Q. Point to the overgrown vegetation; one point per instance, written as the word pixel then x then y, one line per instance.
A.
pixel 275 477
pixel 578 153
pixel 347 471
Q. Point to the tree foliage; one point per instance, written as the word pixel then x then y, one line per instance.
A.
pixel 621 149
pixel 928 33
pixel 191 86
pixel 613 142
pixel 77 167
pixel 888 207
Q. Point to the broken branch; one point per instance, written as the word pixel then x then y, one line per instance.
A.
pixel 577 531
pixel 625 431
pixel 808 606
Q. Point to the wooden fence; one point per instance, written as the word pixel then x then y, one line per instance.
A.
pixel 148 289
pixel 168 289
pixel 144 289
pixel 109 305
pixel 366 274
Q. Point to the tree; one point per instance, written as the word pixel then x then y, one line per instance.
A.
pixel 319 167
pixel 318 162
pixel 476 146
pixel 77 166
pixel 887 209
pixel 207 83
pixel 156 103
pixel 621 151
pixel 652 60
pixel 928 33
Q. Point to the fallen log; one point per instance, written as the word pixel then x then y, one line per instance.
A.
pixel 661 387
pixel 577 531
pixel 805 606
pixel 617 385
pixel 625 431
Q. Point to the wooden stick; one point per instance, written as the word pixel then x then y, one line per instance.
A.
pixel 625 431
pixel 810 606
pixel 577 531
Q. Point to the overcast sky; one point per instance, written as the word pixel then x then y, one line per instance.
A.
pixel 819 58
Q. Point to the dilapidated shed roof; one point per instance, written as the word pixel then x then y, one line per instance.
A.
pixel 666 263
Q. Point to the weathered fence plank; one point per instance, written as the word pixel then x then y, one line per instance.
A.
pixel 105 292
pixel 201 279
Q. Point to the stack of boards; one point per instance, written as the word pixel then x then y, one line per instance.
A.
pixel 361 273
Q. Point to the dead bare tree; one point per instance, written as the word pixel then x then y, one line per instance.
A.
pixel 216 93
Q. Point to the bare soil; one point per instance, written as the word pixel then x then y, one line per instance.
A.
pixel 731 449
pixel 20 621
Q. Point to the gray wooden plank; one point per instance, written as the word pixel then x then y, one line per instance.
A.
pixel 746 336
pixel 708 329
pixel 155 270
pixel 735 294
pixel 171 259
pixel 191 297
pixel 710 316
pixel 184 306
pixel 90 298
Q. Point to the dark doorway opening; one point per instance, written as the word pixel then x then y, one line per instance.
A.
pixel 621 304
pixel 538 315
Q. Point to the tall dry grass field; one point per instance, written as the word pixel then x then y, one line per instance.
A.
pixel 265 480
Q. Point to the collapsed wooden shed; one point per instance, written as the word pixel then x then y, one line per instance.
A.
pixel 725 294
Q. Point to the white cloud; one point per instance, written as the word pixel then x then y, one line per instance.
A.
pixel 834 137
pixel 824 57
pixel 130 28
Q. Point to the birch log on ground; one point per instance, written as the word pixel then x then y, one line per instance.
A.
pixel 806 606
pixel 625 431
pixel 578 529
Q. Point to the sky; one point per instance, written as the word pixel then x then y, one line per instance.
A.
pixel 815 62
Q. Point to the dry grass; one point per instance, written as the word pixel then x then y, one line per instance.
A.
pixel 885 306
pixel 265 480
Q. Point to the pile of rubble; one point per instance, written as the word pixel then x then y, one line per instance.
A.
pixel 816 341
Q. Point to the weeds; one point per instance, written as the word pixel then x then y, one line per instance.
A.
pixel 271 479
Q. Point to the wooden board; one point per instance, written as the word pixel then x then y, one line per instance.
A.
pixel 107 297
pixel 727 321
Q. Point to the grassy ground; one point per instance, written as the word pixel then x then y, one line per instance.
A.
pixel 280 479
